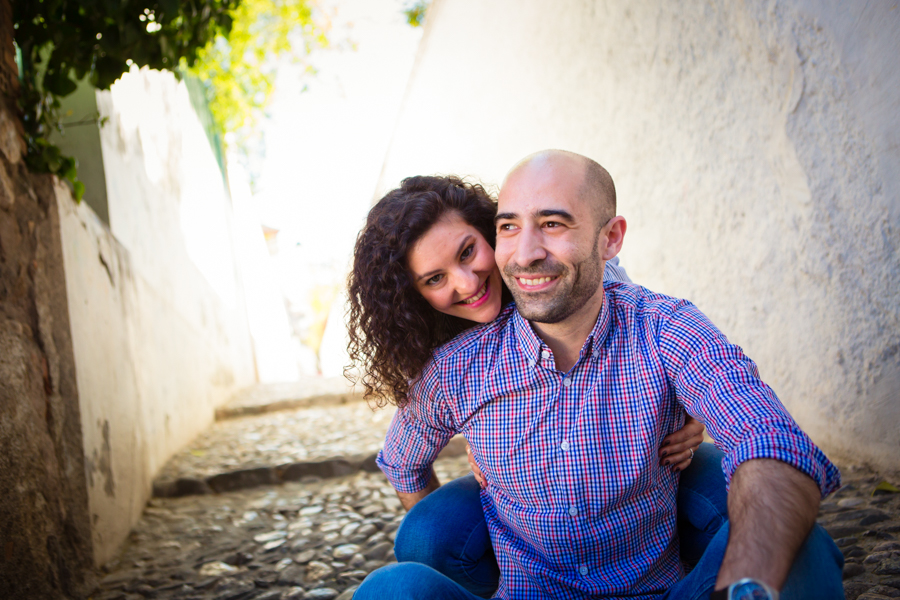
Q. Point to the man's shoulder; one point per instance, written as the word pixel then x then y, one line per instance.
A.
pixel 637 302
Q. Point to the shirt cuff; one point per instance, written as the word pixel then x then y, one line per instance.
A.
pixel 790 446
pixel 404 479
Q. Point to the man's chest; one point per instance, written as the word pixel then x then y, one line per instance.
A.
pixel 545 438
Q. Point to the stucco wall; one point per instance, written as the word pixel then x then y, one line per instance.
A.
pixel 756 151
pixel 159 326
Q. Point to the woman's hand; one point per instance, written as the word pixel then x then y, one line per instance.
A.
pixel 678 448
pixel 475 470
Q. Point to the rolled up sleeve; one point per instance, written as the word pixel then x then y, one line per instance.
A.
pixel 417 434
pixel 719 385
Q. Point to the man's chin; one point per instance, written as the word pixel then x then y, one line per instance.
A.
pixel 541 312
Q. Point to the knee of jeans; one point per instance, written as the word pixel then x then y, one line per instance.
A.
pixel 410 545
pixel 822 548
pixel 399 581
pixel 816 572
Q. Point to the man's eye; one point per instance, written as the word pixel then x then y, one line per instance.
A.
pixel 505 227
pixel 467 252
pixel 552 224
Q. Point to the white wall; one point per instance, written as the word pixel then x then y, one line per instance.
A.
pixel 755 151
pixel 158 320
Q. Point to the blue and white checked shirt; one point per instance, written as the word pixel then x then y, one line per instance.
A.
pixel 577 505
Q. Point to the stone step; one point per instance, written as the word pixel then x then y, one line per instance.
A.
pixel 273 397
pixel 302 471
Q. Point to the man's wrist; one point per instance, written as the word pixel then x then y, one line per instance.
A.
pixel 746 589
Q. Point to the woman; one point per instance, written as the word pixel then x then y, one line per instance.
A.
pixel 423 272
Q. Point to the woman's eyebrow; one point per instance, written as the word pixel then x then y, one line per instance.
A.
pixel 434 272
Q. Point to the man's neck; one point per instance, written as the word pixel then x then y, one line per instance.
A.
pixel 567 337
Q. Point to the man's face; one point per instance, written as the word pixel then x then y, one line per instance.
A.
pixel 547 241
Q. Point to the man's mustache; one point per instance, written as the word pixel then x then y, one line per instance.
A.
pixel 542 267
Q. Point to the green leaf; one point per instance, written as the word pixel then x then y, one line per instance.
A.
pixel 59 83
pixel 885 488
pixel 78 190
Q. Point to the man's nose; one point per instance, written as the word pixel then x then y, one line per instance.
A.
pixel 529 247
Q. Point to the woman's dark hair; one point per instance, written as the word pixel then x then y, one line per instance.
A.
pixel 393 330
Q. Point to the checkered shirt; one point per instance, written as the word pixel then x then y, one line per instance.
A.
pixel 577 505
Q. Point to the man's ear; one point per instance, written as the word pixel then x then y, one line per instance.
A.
pixel 614 231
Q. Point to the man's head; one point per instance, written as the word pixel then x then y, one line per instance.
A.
pixel 556 228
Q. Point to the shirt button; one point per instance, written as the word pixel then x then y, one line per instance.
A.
pixel 545 354
pixel 573 511
pixel 567 382
pixel 564 445
pixel 583 570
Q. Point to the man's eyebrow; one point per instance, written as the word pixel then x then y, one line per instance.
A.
pixel 548 212
pixel 556 212
pixel 433 272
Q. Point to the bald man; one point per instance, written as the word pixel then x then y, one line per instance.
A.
pixel 565 399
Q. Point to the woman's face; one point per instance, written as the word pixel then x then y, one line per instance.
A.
pixel 453 267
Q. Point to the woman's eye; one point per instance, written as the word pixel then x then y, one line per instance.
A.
pixel 467 252
pixel 434 280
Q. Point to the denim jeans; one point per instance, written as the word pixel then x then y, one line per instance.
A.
pixel 815 574
pixel 443 543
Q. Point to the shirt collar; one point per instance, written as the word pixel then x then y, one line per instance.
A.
pixel 532 346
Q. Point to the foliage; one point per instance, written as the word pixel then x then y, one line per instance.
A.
pixel 65 41
pixel 231 45
pixel 238 70
pixel 415 11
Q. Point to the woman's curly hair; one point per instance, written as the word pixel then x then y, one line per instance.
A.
pixel 393 330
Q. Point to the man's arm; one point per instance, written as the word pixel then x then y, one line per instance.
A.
pixel 771 509
pixel 777 475
pixel 410 500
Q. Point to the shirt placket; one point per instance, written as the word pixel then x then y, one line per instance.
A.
pixel 570 495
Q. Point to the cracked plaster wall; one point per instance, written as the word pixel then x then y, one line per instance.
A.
pixel 159 324
pixel 756 151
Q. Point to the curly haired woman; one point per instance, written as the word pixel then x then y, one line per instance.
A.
pixel 424 272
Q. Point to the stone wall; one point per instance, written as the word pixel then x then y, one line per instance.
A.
pixel 45 539
pixel 756 151
pixel 159 322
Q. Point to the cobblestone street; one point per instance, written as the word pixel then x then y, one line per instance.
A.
pixel 287 504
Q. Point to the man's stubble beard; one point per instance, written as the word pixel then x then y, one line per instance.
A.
pixel 570 296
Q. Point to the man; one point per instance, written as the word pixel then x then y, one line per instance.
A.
pixel 564 402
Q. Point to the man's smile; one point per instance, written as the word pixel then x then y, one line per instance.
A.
pixel 533 284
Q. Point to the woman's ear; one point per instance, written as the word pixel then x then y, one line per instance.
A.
pixel 614 234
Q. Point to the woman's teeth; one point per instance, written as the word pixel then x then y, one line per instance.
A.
pixel 537 281
pixel 477 296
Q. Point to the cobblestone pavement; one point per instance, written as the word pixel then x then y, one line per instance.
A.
pixel 318 538
pixel 275 438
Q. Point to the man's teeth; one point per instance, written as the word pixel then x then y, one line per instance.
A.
pixel 537 281
pixel 477 296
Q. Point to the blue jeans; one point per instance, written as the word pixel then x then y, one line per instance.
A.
pixel 444 540
pixel 816 573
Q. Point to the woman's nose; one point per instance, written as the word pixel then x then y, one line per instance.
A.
pixel 466 282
